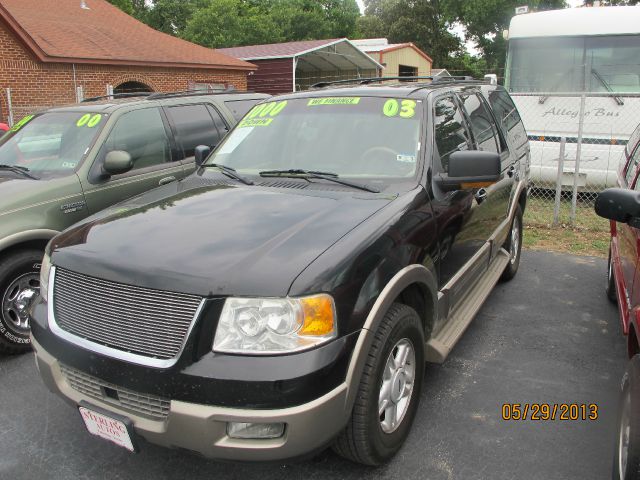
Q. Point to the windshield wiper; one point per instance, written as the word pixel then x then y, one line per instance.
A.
pixel 18 169
pixel 229 172
pixel 606 85
pixel 330 176
pixel 556 85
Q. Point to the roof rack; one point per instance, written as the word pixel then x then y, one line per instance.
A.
pixel 192 93
pixel 117 95
pixel 367 81
pixel 158 95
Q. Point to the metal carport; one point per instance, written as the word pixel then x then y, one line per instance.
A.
pixel 292 66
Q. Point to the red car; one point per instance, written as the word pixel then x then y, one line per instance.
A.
pixel 622 206
pixel 624 250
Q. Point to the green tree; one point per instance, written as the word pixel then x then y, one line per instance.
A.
pixel 299 19
pixel 135 8
pixel 222 23
pixel 139 9
pixel 171 16
pixel 341 16
pixel 463 63
pixel 312 19
pixel 125 5
pixel 229 23
pixel 370 26
pixel 423 22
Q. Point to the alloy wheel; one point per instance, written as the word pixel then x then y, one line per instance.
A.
pixel 397 385
pixel 17 300
pixel 515 240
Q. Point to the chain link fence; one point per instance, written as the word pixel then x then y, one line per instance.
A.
pixel 577 144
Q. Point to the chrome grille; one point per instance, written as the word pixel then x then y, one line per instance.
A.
pixel 142 321
pixel 140 403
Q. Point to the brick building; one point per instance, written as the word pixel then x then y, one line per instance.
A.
pixel 53 52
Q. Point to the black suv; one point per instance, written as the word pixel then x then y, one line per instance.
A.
pixel 286 296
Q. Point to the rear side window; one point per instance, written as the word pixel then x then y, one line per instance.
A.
pixel 451 134
pixel 194 126
pixel 504 108
pixel 482 125
pixel 239 108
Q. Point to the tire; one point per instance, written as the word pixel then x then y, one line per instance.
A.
pixel 364 440
pixel 515 236
pixel 19 280
pixel 611 281
pixel 628 431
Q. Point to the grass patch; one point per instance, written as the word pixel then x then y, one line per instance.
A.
pixel 588 235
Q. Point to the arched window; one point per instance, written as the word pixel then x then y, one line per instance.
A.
pixel 132 87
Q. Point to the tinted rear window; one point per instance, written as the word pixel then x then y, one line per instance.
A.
pixel 194 127
pixel 504 108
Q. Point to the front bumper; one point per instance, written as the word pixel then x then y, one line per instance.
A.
pixel 203 428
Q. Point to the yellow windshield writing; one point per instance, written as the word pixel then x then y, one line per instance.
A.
pixel 88 119
pixel 21 123
pixel 403 108
pixel 255 122
pixel 334 101
pixel 262 115
pixel 270 109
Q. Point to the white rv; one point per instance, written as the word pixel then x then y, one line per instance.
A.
pixel 555 59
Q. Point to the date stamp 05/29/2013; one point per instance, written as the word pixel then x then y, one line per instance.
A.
pixel 549 411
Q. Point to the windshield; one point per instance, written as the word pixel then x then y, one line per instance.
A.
pixel 575 64
pixel 348 136
pixel 53 142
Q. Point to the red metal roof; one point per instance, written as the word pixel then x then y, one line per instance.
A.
pixel 63 31
pixel 277 50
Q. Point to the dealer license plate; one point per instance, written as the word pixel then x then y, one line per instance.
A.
pixel 109 428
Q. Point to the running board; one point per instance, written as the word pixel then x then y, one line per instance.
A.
pixel 440 345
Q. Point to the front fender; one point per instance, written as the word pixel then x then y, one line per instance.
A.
pixel 410 275
pixel 26 236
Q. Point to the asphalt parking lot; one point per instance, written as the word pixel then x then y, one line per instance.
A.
pixel 549 336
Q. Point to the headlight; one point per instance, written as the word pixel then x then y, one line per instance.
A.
pixel 45 268
pixel 264 326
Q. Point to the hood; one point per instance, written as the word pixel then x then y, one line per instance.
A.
pixel 213 240
pixel 15 191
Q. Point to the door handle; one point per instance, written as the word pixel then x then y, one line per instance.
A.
pixel 512 170
pixel 165 180
pixel 481 195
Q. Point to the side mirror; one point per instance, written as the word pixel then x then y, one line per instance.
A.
pixel 117 162
pixel 470 169
pixel 620 205
pixel 201 153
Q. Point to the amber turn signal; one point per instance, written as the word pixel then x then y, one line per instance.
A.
pixel 319 316
pixel 468 185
